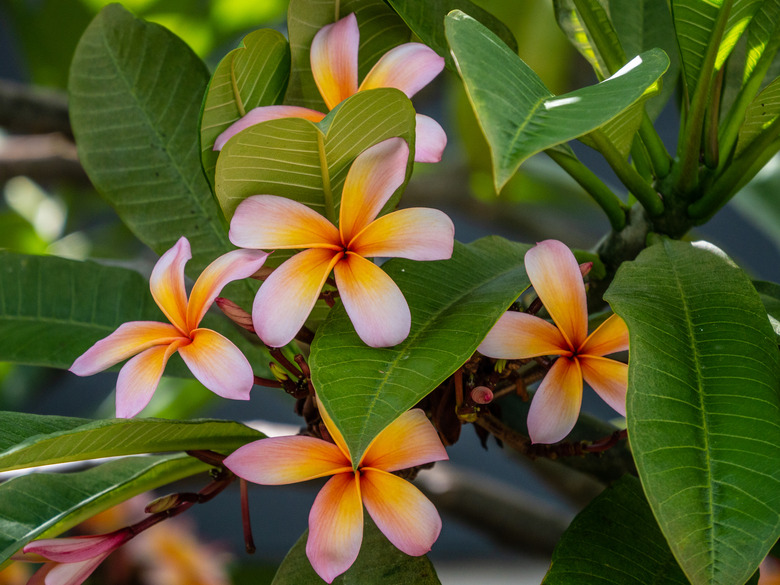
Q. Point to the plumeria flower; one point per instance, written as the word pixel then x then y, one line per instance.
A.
pixel 214 360
pixel 373 302
pixel 334 64
pixel 557 280
pixel 405 516
pixel 72 560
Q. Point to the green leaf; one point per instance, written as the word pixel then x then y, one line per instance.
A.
pixel 426 19
pixel 47 504
pixel 37 440
pixel 454 303
pixel 615 540
pixel 762 111
pixel 703 408
pixel 135 96
pixel 251 76
pixel 53 309
pixel 518 114
pixel 263 159
pixel 763 39
pixel 380 30
pixel 379 563
pixel 769 292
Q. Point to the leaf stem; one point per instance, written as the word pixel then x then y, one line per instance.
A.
pixel 595 187
pixel 659 156
pixel 236 92
pixel 644 192
pixel 330 210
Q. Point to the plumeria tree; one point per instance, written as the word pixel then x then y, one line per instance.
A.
pixel 273 184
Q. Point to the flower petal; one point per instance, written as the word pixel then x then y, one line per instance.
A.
pixel 167 284
pixel 138 378
pixel 407 441
pixel 556 404
pixel 417 234
pixel 335 527
pixel 522 336
pixel 406 517
pixel 283 460
pixel 374 303
pixel 372 179
pixel 334 60
pixel 609 378
pixel 263 114
pixel 218 364
pixel 287 296
pixel 408 67
pixel 557 280
pixel 430 140
pixel 234 265
pixel 128 340
pixel 268 221
pixel 611 336
pixel 72 573
pixel 77 548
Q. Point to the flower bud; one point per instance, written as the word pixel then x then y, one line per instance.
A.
pixel 278 372
pixel 163 504
pixel 235 313
pixel 482 395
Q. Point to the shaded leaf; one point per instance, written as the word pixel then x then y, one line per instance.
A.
pixel 761 112
pixel 379 562
pixel 518 114
pixel 251 76
pixel 592 34
pixel 47 504
pixel 703 407
pixel 43 440
pixel 454 303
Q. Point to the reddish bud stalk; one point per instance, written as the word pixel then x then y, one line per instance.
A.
pixel 249 541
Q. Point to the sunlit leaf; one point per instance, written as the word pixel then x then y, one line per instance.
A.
pixel 703 407
pixel 454 303
pixel 762 111
pixel 592 34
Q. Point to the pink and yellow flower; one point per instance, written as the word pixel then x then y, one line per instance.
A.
pixel 405 516
pixel 214 360
pixel 334 64
pixel 373 302
pixel 557 280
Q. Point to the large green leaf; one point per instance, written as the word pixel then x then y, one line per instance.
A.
pixel 703 407
pixel 763 39
pixel 615 540
pixel 251 76
pixel 762 111
pixel 47 504
pixel 53 309
pixel 454 303
pixel 286 157
pixel 380 31
pixel 518 114
pixel 379 563
pixel 67 439
pixel 426 19
pixel 135 96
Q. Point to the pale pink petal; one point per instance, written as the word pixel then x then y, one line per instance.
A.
pixel 430 140
pixel 39 577
pixel 167 284
pixel 372 179
pixel 335 527
pixel 264 114
pixel 557 280
pixel 333 431
pixel 417 233
pixel 374 303
pixel 609 378
pixel 77 548
pixel 283 460
pixel 287 296
pixel 128 340
pixel 138 378
pixel 268 221
pixel 556 404
pixel 408 67
pixel 409 440
pixel 334 60
pixel 218 364
pixel 522 336
pixel 72 573
pixel 406 517
pixel 234 265
pixel 611 336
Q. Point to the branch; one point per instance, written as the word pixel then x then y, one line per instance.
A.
pixel 28 110
pixel 45 159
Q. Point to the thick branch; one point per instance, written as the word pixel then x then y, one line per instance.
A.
pixel 28 110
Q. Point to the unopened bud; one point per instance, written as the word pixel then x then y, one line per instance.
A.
pixel 163 504
pixel 499 366
pixel 482 395
pixel 263 273
pixel 585 268
pixel 278 372
pixel 235 313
